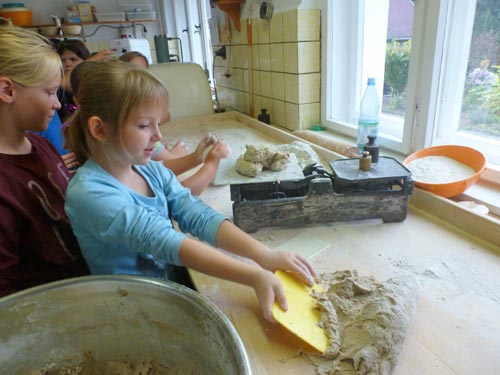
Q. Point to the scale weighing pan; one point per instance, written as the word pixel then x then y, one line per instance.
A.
pixel 227 174
pixel 381 177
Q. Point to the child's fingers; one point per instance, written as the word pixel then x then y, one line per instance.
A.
pixel 308 265
pixel 72 164
pixel 209 139
pixel 278 295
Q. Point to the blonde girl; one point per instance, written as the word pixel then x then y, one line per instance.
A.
pixel 121 204
pixel 37 244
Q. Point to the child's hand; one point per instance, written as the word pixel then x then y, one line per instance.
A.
pixel 268 289
pixel 207 141
pixel 70 162
pixel 102 55
pixel 292 263
pixel 178 150
pixel 220 150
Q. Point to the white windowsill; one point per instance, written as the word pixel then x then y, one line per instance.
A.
pixel 486 191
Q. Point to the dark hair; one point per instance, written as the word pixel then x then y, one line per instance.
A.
pixel 77 73
pixel 75 46
pixel 129 56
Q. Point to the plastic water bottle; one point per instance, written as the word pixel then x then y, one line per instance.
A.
pixel 368 118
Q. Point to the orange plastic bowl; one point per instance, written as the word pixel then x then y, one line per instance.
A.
pixel 466 155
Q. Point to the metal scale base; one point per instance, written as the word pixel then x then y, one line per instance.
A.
pixel 320 197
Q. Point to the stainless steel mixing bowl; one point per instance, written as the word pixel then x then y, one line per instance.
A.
pixel 117 318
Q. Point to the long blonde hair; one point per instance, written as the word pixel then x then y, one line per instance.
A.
pixel 27 57
pixel 112 91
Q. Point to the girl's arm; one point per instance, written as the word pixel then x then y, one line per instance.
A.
pixel 233 239
pixel 199 181
pixel 179 165
pixel 185 163
pixel 203 258
pixel 266 285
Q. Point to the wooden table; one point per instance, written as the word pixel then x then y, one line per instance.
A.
pixel 456 327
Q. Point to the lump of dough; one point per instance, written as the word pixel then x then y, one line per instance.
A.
pixel 248 168
pixel 277 162
pixel 257 158
pixel 259 153
pixel 366 322
pixel 304 152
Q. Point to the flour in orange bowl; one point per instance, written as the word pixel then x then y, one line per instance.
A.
pixel 439 170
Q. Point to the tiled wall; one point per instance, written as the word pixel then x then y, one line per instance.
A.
pixel 285 72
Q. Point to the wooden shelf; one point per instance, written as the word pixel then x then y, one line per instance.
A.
pixel 91 23
pixel 231 7
pixel 82 24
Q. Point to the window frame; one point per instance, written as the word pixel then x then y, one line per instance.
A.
pixel 434 93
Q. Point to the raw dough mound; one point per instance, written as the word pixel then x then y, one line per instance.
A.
pixel 366 322
pixel 304 152
pixel 117 367
pixel 277 162
pixel 257 158
pixel 248 168
pixel 259 154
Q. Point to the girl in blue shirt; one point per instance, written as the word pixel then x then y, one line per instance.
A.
pixel 122 204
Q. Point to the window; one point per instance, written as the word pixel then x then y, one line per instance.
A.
pixel 470 101
pixel 427 98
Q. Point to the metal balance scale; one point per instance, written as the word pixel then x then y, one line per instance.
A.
pixel 347 194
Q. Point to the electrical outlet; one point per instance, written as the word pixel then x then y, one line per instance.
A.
pixel 221 52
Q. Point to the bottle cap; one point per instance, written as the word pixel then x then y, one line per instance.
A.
pixel 371 80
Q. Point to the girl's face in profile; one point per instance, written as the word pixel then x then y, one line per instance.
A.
pixel 35 106
pixel 141 132
pixel 70 60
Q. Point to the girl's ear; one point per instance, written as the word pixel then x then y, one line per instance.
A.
pixel 97 128
pixel 6 89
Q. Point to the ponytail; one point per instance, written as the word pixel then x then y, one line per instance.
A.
pixel 76 138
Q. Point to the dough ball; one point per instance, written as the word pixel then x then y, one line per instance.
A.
pixel 277 162
pixel 248 168
pixel 259 153
pixel 257 158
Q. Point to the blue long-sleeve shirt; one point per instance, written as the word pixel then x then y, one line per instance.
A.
pixel 55 134
pixel 123 232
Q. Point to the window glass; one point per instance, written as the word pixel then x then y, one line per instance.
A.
pixel 370 39
pixel 396 67
pixel 479 120
pixel 466 78
pixel 437 69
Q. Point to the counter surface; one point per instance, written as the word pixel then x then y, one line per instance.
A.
pixel 455 329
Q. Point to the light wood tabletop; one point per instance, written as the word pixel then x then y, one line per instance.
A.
pixel 456 326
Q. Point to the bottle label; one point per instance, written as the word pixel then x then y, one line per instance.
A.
pixel 366 128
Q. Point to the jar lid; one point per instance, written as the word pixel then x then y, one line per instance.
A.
pixel 7 10
pixel 13 5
